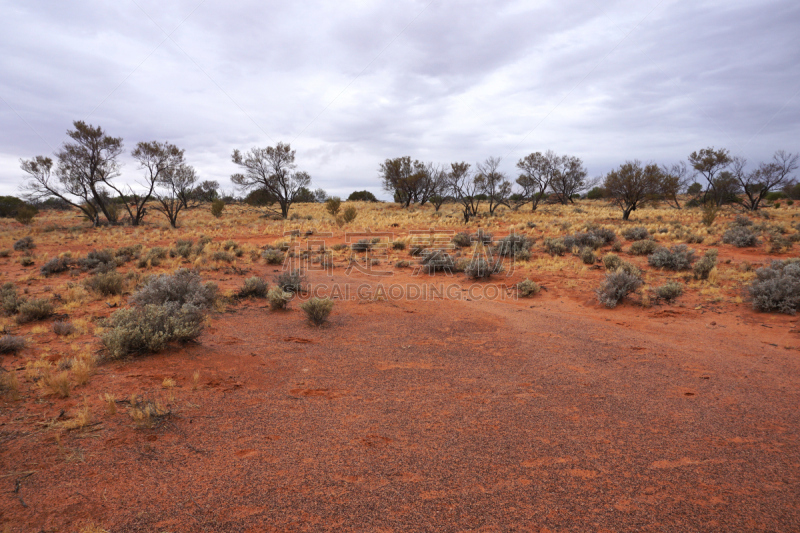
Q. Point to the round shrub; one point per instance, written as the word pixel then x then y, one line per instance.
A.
pixel 679 257
pixel 317 310
pixel 617 286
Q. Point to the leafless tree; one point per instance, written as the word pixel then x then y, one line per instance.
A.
pixel 273 169
pixel 465 189
pixel 85 167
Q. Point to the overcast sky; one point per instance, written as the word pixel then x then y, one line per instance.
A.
pixel 350 84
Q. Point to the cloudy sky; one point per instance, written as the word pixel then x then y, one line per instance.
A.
pixel 350 84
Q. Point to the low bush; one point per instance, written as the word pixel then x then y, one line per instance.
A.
pixel 98 261
pixel 555 246
pixel 183 248
pixel 182 287
pixel 706 264
pixel 617 286
pixel 462 240
pixel 147 413
pixel 291 281
pixel 527 288
pixel 363 245
pixel 398 245
pixel 63 329
pixel 583 240
pixel 254 287
pixel 152 258
pixel 57 265
pixel 32 310
pixel 587 256
pixel 510 245
pixel 777 287
pixel 482 269
pixel 150 328
pixel 402 264
pixel 333 205
pixel 482 237
pixel 278 298
pixel 679 257
pixel 5 253
pixel 8 298
pixel 522 255
pixel 740 236
pixel 639 233
pixel 220 255
pixel 106 283
pixel 437 260
pixel 611 262
pixel 25 243
pixel 643 247
pixel 217 207
pixel 128 253
pixel 11 344
pixel 273 257
pixel 669 291
pixel 317 310
pixel 349 214
pixel 742 221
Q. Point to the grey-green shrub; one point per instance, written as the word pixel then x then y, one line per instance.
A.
pixel 106 283
pixel 291 281
pixel 555 246
pixel 616 286
pixel 678 257
pixel 587 256
pixel 278 298
pixel 182 287
pixel 8 298
pixel 643 247
pixel 150 328
pixel 273 257
pixel 25 243
pixel 32 310
pixel 777 287
pixel 706 264
pixel 253 287
pixel 611 261
pixel 317 310
pixel 462 240
pixel 740 236
pixel 480 268
pixel 638 233
pixel 56 265
pixel 669 291
pixel 509 246
pixel 436 260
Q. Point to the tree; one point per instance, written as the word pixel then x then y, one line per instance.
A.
pixel 569 178
pixel 173 185
pixel 411 181
pixel 304 196
pixel 709 162
pixel 674 181
pixel 271 168
pixel 207 191
pixel 465 188
pixel 155 159
pixel 85 166
pixel 493 183
pixel 361 196
pixel 320 195
pixel 768 176
pixel 538 171
pixel 632 185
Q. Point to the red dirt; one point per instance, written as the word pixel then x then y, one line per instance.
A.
pixel 544 414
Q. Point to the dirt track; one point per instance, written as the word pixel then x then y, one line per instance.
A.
pixel 450 415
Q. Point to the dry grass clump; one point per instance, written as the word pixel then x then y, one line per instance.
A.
pixel 81 419
pixel 317 310
pixel 703 267
pixel 55 383
pixel 146 412
pixel 9 384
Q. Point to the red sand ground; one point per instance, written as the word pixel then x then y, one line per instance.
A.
pixel 541 414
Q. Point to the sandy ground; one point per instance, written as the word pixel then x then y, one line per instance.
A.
pixel 542 414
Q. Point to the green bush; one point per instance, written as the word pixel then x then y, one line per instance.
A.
pixel 25 214
pixel 254 287
pixel 349 214
pixel 333 205
pixel 587 256
pixel 317 310
pixel 611 262
pixel 150 328
pixel 217 207
pixel 32 310
pixel 669 291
